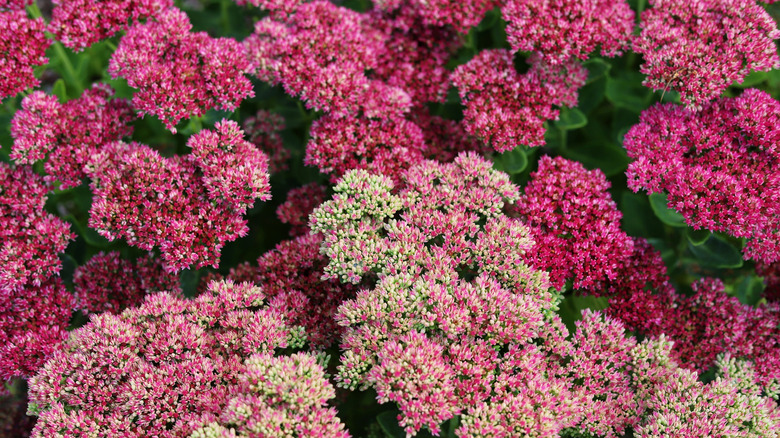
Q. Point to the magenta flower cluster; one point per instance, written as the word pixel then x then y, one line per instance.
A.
pixel 179 73
pixel 23 45
pixel 67 135
pixel 717 165
pixel 507 109
pixel 200 198
pixel 35 307
pixel 175 368
pixel 562 29
pixel 109 283
pixel 699 48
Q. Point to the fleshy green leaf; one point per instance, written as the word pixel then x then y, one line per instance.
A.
pixel 716 252
pixel 514 161
pixel 389 423
pixel 697 237
pixel 571 118
pixel 58 89
pixel 663 212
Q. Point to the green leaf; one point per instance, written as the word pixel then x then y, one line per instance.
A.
pixel 716 252
pixel 58 89
pixel 389 423
pixel 189 279
pixel 697 237
pixel 752 79
pixel 749 290
pixel 663 212
pixel 572 306
pixel 514 161
pixel 628 93
pixel 608 157
pixel 592 94
pixel 638 216
pixel 597 68
pixel 571 118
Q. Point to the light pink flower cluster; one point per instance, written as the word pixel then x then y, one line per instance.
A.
pixel 300 202
pixel 23 46
pixel 562 29
pixel 280 396
pixel 241 273
pixel 676 403
pixel 67 135
pixel 80 23
pixel 35 305
pixel 109 283
pixel 460 15
pixel 699 48
pixel 291 277
pixel 179 73
pixel 507 109
pixel 718 166
pixel 575 224
pixel 188 206
pixel 264 131
pixel 172 366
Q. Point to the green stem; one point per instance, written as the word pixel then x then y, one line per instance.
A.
pixel 70 72
pixel 225 18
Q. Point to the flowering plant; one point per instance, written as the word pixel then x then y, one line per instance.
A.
pixel 389 218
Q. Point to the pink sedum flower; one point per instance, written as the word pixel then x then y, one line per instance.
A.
pixel 507 109
pixel 562 29
pixel 79 23
pixel 575 224
pixel 165 368
pixel 188 206
pixel 338 145
pixel 108 283
pixel 460 15
pixel 699 48
pixel 291 276
pixel 67 135
pixel 23 46
pixel 178 73
pixel 718 166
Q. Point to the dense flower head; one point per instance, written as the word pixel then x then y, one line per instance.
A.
pixel 35 305
pixel 280 396
pixel 109 283
pixel 23 46
pixel 320 53
pixel 232 169
pixel 446 217
pixel 179 73
pixel 290 275
pixel 699 48
pixel 264 131
pixel 79 23
pixel 562 29
pixel 31 237
pixel 340 144
pixel 414 55
pixel 299 204
pixel 677 403
pixel 67 135
pixel 507 109
pixel 460 15
pixel 163 369
pixel 718 166
pixel 185 205
pixel 14 5
pixel 575 224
